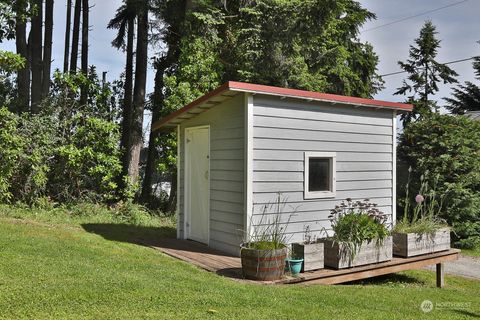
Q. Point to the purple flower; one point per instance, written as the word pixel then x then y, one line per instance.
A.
pixel 419 198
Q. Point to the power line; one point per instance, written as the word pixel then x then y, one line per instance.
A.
pixel 450 62
pixel 414 16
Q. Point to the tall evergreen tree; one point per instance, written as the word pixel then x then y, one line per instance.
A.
pixel 124 22
pixel 141 62
pixel 75 35
pixel 466 97
pixel 35 48
pixel 68 22
pixel 47 47
pixel 23 75
pixel 84 62
pixel 424 74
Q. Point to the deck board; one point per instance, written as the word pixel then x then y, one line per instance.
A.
pixel 230 266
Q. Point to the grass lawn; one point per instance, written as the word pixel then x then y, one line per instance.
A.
pixel 58 268
pixel 472 252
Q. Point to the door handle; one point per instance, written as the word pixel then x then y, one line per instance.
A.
pixel 206 174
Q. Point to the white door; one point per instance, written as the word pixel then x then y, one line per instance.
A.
pixel 197 185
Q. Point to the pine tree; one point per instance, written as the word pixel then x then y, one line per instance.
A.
pixel 424 74
pixel 467 96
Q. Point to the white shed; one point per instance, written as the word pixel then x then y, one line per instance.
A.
pixel 242 144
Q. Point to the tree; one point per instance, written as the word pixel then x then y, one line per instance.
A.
pixel 84 64
pixel 310 45
pixel 75 35
pixel 68 22
pixel 466 97
pixel 47 47
pixel 23 75
pixel 124 21
pixel 136 138
pixel 448 146
pixel 424 74
pixel 36 62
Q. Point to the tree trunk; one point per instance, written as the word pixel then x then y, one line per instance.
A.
pixel 156 108
pixel 47 48
pixel 75 35
pixel 23 76
pixel 68 23
pixel 127 98
pixel 85 12
pixel 36 54
pixel 172 199
pixel 136 141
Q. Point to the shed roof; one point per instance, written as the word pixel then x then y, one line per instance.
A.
pixel 232 88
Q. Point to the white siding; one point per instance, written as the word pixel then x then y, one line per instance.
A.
pixel 286 128
pixel 226 173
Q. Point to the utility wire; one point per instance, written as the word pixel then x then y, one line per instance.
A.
pixel 414 16
pixel 450 62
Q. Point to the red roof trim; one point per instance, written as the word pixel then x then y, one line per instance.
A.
pixel 192 104
pixel 316 95
pixel 295 93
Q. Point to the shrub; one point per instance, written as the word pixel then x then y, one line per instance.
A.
pixel 11 146
pixel 448 147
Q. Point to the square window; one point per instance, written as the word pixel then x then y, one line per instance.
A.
pixel 319 175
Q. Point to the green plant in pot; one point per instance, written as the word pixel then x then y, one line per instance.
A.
pixel 264 250
pixel 310 250
pixel 360 235
pixel 421 230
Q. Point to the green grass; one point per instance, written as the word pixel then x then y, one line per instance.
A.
pixel 472 252
pixel 92 268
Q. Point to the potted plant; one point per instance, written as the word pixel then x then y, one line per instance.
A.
pixel 264 252
pixel 294 264
pixel 310 250
pixel 360 235
pixel 421 231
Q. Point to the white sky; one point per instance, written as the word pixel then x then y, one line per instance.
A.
pixel 458 27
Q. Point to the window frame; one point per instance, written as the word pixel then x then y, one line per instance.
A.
pixel 332 157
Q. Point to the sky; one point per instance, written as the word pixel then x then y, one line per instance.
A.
pixel 456 21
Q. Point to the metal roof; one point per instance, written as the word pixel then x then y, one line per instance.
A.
pixel 230 89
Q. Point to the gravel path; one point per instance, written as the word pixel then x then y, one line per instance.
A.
pixel 465 266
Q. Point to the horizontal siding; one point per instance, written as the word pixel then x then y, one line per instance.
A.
pixel 342 166
pixel 285 129
pixel 226 172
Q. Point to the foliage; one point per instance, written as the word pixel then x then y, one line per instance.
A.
pixel 9 63
pixel 449 148
pixel 11 146
pixel 67 152
pixel 87 164
pixel 354 222
pixel 466 97
pixel 423 217
pixel 424 74
pixel 269 233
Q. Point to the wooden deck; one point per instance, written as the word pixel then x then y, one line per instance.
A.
pixel 230 266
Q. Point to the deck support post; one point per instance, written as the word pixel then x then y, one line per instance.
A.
pixel 440 276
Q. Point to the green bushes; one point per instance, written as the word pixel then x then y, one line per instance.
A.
pixel 70 161
pixel 449 148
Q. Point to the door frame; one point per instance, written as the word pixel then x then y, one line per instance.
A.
pixel 186 181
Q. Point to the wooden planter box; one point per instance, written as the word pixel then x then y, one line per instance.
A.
pixel 414 244
pixel 312 255
pixel 337 254
pixel 263 265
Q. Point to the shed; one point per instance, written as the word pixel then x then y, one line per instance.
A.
pixel 242 144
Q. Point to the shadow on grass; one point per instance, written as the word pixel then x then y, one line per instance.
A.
pixel 147 236
pixel 389 279
pixel 467 313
